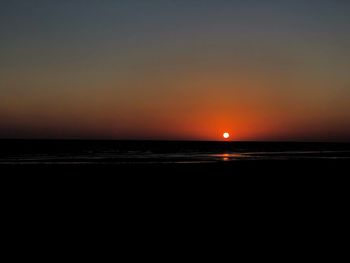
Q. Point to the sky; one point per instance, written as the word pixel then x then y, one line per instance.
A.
pixel 175 69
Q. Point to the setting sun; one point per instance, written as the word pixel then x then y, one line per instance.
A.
pixel 226 135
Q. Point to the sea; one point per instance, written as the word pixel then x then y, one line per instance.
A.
pixel 110 174
pixel 163 152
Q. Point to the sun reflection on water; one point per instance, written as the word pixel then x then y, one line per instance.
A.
pixel 228 156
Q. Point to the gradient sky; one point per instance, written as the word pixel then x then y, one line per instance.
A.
pixel 175 69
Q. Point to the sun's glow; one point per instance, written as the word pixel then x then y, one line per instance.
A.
pixel 226 135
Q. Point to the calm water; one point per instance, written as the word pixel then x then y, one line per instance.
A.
pixel 118 152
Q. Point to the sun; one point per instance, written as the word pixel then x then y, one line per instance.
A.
pixel 226 135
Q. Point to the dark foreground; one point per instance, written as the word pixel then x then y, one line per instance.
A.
pixel 175 169
pixel 297 196
pixel 294 193
pixel 285 177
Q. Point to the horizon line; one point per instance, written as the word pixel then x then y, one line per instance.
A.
pixel 174 140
